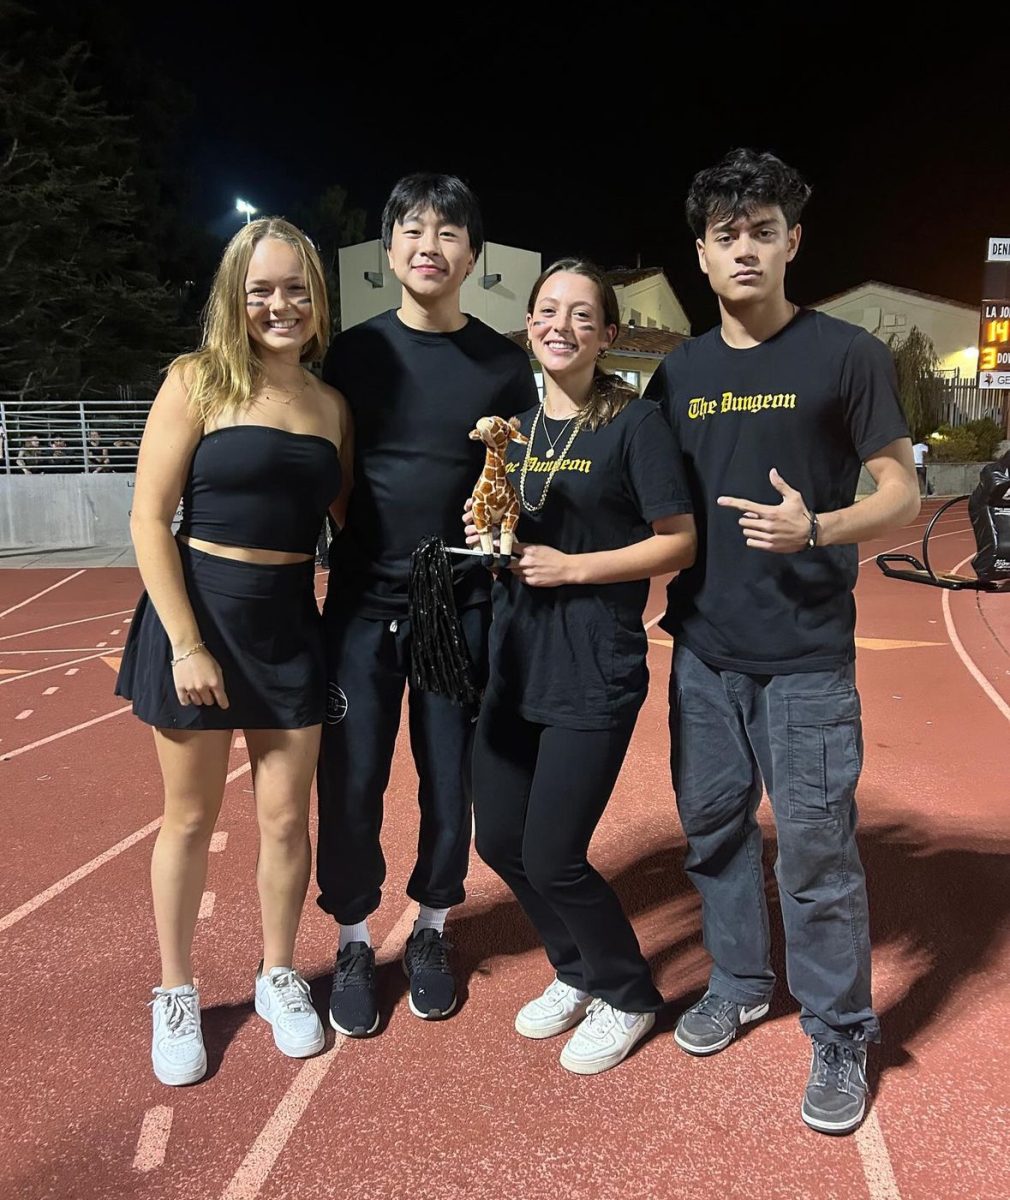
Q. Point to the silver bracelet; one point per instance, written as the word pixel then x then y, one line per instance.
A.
pixel 192 650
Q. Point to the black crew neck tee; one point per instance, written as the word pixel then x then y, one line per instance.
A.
pixel 574 655
pixel 414 397
pixel 814 401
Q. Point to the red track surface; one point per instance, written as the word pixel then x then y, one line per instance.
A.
pixel 466 1108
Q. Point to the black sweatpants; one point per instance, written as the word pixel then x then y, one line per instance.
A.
pixel 539 793
pixel 368 665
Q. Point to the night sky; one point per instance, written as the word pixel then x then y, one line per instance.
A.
pixel 580 126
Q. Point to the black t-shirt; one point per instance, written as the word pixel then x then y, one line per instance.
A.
pixel 414 397
pixel 814 401
pixel 574 655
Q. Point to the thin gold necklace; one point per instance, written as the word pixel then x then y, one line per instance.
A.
pixel 580 420
pixel 268 391
pixel 553 441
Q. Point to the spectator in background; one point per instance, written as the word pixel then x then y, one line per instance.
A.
pixel 919 452
pixel 29 460
pixel 57 458
pixel 97 454
pixel 124 455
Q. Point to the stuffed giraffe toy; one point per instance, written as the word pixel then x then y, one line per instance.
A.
pixel 494 498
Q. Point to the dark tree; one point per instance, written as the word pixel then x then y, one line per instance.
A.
pixel 88 314
pixel 916 362
pixel 331 223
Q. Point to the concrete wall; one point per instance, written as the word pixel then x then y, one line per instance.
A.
pixel 61 512
pixel 947 479
pixel 502 306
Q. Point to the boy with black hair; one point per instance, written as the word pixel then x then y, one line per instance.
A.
pixel 775 410
pixel 417 380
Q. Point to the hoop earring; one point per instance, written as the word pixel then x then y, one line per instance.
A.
pixel 529 345
pixel 601 354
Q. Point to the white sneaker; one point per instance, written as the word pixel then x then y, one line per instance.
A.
pixel 604 1038
pixel 558 1009
pixel 177 1052
pixel 282 998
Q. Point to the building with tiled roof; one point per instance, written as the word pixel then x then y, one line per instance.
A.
pixel 635 355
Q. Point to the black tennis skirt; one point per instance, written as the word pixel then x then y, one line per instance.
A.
pixel 260 621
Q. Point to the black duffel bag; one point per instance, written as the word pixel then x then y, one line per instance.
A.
pixel 989 509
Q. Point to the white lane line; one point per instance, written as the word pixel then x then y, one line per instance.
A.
pixel 61 885
pixel 207 901
pixel 52 587
pixel 114 632
pixel 24 714
pixel 654 621
pixel 880 1180
pixel 965 657
pixel 52 667
pixel 67 881
pixel 918 542
pixel 64 624
pixel 54 737
pixel 102 645
pixel 72 671
pixel 153 1140
pixel 218 841
pixel 240 743
pixel 50 691
pixel 49 650
pixel 256 1166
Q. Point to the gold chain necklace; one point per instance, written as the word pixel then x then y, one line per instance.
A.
pixel 580 420
pixel 291 396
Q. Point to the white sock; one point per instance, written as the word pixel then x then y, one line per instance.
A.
pixel 355 933
pixel 430 918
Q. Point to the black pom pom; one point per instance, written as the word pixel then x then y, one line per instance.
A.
pixel 440 662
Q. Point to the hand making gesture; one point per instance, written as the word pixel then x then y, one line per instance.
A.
pixel 781 528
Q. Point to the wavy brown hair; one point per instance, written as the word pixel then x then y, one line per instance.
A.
pixel 226 370
pixel 609 394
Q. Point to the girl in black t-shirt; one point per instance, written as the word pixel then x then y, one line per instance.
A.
pixel 604 508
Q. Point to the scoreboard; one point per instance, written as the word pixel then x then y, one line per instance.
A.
pixel 994 327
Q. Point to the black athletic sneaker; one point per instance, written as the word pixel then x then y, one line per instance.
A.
pixel 835 1099
pixel 426 965
pixel 353 1010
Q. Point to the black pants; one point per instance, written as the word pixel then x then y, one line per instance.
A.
pixel 539 793
pixel 368 665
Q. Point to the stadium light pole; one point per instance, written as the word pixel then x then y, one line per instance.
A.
pixel 244 206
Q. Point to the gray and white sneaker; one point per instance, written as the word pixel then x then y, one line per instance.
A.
pixel 283 999
pixel 559 1008
pixel 710 1025
pixel 835 1097
pixel 604 1038
pixel 177 1052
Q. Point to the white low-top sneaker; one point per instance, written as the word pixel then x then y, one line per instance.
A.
pixel 177 1052
pixel 283 999
pixel 559 1008
pixel 604 1038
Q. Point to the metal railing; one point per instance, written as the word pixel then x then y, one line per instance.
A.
pixel 71 436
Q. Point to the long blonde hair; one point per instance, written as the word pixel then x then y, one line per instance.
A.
pixel 226 371
pixel 608 393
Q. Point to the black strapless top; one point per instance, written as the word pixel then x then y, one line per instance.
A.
pixel 260 487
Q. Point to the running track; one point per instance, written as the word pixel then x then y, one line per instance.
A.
pixel 466 1108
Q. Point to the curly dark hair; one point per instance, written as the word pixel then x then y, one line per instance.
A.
pixel 741 183
pixel 447 195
